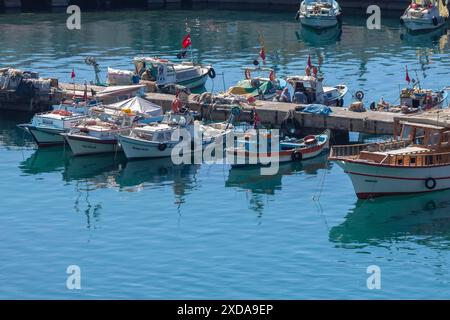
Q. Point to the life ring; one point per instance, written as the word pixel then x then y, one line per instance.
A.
pixel 297 15
pixel 162 146
pixel 430 183
pixel 429 101
pixel 309 140
pixel 272 75
pixel 297 156
pixel 248 74
pixel 359 95
pixel 212 73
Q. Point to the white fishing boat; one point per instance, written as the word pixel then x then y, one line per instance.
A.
pixel 247 150
pixel 166 72
pixel 416 161
pixel 319 14
pixel 155 140
pixel 425 15
pixel 310 90
pixel 46 127
pixel 99 132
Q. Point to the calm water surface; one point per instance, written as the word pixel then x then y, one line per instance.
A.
pixel 147 229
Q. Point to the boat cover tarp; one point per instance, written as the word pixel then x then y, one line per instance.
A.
pixel 318 109
pixel 120 90
pixel 244 87
pixel 139 105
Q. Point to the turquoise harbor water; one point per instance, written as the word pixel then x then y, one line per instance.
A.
pixel 148 229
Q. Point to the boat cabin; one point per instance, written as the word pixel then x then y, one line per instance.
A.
pixel 309 89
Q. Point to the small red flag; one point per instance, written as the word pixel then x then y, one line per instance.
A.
pixel 73 74
pixel 187 41
pixel 309 61
pixel 256 120
pixel 262 54
pixel 408 79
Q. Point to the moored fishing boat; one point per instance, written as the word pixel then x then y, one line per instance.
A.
pixel 46 128
pixel 261 86
pixel 247 151
pixel 99 132
pixel 416 161
pixel 319 14
pixel 166 72
pixel 414 99
pixel 156 140
pixel 425 15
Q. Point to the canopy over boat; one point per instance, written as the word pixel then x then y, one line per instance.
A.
pixel 139 105
pixel 120 90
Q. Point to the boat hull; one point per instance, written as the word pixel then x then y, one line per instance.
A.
pixel 319 22
pixel 139 149
pixel 371 180
pixel 417 24
pixel 81 145
pixel 198 82
pixel 46 137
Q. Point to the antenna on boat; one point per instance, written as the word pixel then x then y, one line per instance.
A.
pixel 91 61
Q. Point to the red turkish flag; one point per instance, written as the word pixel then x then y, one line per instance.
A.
pixel 309 61
pixel 187 41
pixel 262 54
pixel 73 74
pixel 408 79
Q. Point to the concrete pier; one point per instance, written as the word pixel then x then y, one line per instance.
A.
pixel 272 114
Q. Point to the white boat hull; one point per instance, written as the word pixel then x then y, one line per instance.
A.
pixel 370 180
pixel 319 22
pixel 415 24
pixel 84 145
pixel 46 137
pixel 140 149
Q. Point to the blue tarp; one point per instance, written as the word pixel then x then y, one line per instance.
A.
pixel 318 109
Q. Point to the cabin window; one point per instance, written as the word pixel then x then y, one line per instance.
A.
pixel 428 160
pixel 400 162
pixel 420 135
pixel 434 139
pixel 406 132
pixel 167 136
pixel 412 161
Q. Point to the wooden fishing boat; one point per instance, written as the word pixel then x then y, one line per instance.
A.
pixel 155 140
pixel 414 100
pixel 166 72
pixel 424 15
pixel 99 133
pixel 46 127
pixel 310 90
pixel 319 14
pixel 416 161
pixel 290 149
pixel 261 86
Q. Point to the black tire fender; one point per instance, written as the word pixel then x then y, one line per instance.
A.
pixel 430 183
pixel 297 156
pixel 162 146
pixel 212 73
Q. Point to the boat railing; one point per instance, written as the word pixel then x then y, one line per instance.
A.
pixel 356 149
pixel 418 159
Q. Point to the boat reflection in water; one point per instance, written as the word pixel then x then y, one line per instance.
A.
pixel 424 219
pixel 319 37
pixel 140 174
pixel 250 179
pixel 105 171
pixel 426 39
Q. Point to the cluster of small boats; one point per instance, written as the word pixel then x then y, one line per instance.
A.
pixel 420 15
